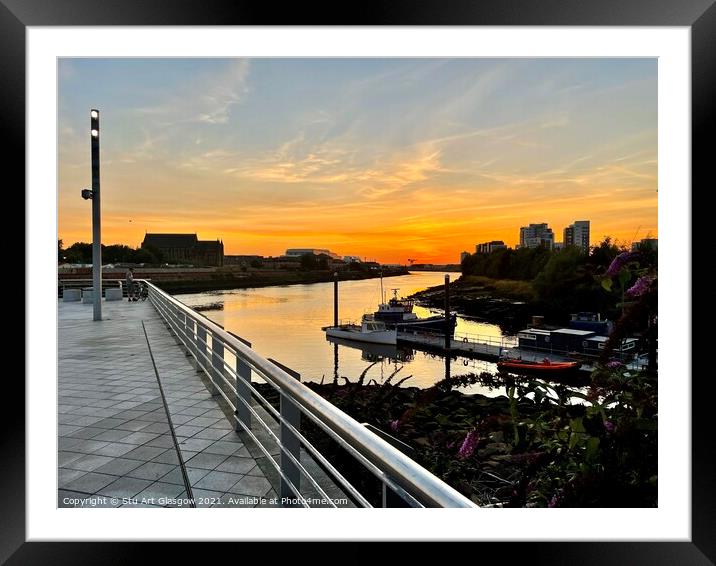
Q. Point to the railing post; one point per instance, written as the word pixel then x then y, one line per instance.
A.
pixel 243 389
pixel 217 363
pixel 184 326
pixel 200 347
pixel 191 338
pixel 290 443
pixel 177 322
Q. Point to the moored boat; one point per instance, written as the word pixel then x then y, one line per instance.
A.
pixel 544 366
pixel 398 313
pixel 370 330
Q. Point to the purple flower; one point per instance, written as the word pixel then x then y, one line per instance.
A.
pixel 556 498
pixel 609 426
pixel 468 446
pixel 614 364
pixel 640 287
pixel 620 261
pixel 395 425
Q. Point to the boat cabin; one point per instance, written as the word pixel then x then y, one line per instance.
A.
pixel 565 340
pixel 553 340
pixel 372 325
pixel 595 346
pixel 569 339
pixel 534 339
pixel 591 321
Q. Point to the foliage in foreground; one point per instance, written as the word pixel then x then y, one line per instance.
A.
pixel 542 444
pixel 534 446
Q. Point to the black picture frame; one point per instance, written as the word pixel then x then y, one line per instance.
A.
pixel 699 15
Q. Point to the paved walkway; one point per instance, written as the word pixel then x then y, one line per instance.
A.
pixel 115 441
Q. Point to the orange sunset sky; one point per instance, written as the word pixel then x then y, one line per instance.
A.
pixel 387 159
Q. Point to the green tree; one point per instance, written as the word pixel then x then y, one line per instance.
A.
pixel 143 255
pixel 156 254
pixel 566 285
pixel 604 253
pixel 79 252
pixel 117 253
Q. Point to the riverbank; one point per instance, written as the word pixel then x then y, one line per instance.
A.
pixel 506 302
pixel 198 280
pixel 256 279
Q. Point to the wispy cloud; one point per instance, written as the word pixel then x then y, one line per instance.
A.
pixel 208 101
pixel 373 157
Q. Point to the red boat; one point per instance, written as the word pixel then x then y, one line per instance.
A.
pixel 545 366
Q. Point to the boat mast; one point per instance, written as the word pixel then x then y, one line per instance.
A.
pixel 382 293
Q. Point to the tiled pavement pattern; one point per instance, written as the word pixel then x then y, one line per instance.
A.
pixel 114 436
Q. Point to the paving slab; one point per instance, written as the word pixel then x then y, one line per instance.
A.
pixel 115 439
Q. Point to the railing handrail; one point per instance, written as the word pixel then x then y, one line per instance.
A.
pixel 407 473
pixel 104 280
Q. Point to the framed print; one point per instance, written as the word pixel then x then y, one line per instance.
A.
pixel 404 261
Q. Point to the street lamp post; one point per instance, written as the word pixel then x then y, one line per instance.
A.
pixel 94 195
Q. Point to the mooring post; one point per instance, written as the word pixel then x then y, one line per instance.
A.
pixel 335 363
pixel 335 298
pixel 447 312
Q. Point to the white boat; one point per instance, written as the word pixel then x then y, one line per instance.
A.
pixel 370 330
pixel 398 313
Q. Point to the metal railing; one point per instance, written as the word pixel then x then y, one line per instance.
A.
pixel 229 362
pixel 502 341
pixel 573 353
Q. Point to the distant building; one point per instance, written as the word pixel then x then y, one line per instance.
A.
pixel 489 247
pixel 282 262
pixel 646 243
pixel 242 260
pixel 577 234
pixel 536 235
pixel 186 248
pixel 351 259
pixel 298 252
pixel 464 255
pixel 558 246
pixel 569 235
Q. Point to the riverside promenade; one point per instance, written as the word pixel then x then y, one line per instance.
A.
pixel 137 426
pixel 148 402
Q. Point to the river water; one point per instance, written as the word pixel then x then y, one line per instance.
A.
pixel 285 323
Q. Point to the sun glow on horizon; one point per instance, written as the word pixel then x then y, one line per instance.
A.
pixel 387 159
